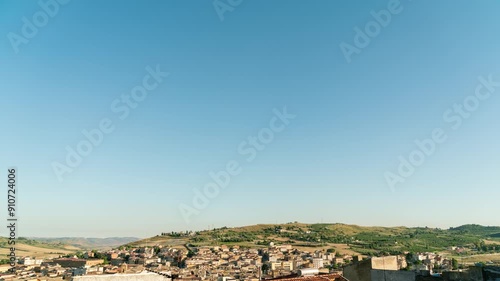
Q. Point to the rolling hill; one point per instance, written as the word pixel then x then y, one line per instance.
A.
pixel 353 239
pixel 33 248
pixel 55 247
pixel 87 243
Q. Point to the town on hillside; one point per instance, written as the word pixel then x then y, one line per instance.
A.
pixel 235 263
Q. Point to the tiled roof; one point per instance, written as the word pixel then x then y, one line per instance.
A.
pixel 323 277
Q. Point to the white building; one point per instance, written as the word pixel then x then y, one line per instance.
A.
pixel 317 263
pixel 29 261
pixel 122 277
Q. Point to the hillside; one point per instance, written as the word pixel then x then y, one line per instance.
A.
pixel 490 231
pixel 87 243
pixel 55 247
pixel 352 239
pixel 32 248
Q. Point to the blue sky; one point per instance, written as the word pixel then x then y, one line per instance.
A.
pixel 353 120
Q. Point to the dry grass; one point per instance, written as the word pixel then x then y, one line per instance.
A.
pixel 33 251
pixel 344 249
pixel 495 258
pixel 161 240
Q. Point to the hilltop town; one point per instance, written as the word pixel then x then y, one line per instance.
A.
pixel 175 255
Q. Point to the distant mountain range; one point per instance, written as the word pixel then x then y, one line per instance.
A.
pixel 87 243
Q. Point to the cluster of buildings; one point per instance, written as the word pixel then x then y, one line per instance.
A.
pixel 392 268
pixel 430 261
pixel 216 263
pixel 64 268
pixel 255 264
pixel 232 263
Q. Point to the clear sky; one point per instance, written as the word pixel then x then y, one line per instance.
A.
pixel 353 119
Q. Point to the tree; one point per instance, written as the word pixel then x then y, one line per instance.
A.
pixel 157 250
pixel 79 255
pixel 454 263
pixel 409 257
